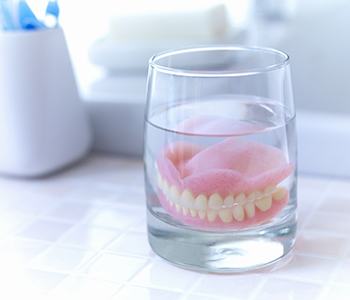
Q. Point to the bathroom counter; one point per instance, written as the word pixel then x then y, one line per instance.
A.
pixel 81 234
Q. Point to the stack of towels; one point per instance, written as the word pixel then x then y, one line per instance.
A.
pixel 140 29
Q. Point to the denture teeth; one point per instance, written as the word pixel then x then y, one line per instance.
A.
pixel 212 214
pixel 159 181
pixel 193 213
pixel 200 202
pixel 174 194
pixel 264 203
pixel 165 187
pixel 229 201
pixel 250 210
pixel 202 214
pixel 254 196
pixel 238 213
pixel 269 190
pixel 240 198
pixel 279 194
pixel 226 215
pixel 185 211
pixel 187 199
pixel 215 207
pixel 215 201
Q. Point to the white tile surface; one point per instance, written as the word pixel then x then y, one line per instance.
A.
pixel 71 211
pixel 81 287
pixel 336 292
pixel 276 289
pixel 21 251
pixel 120 217
pixel 89 237
pixel 308 268
pixel 31 204
pixel 114 267
pixel 160 274
pixel 342 274
pixel 322 244
pixel 61 259
pixel 11 222
pixel 336 204
pixel 229 286
pixel 44 230
pixel 334 223
pixel 134 292
pixel 131 243
pixel 37 281
pixel 140 226
pixel 82 235
pixel 201 297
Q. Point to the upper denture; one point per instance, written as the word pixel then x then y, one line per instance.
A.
pixel 229 167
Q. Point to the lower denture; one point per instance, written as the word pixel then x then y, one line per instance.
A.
pixel 233 184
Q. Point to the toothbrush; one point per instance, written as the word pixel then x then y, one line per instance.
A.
pixel 7 22
pixel 52 14
pixel 26 17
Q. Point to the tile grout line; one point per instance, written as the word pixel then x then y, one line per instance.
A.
pixel 193 287
pixel 316 207
pixel 258 289
pixel 326 287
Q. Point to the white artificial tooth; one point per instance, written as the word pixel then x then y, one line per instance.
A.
pixel 269 190
pixel 159 181
pixel 264 203
pixel 229 200
pixel 240 198
pixel 193 213
pixel 200 203
pixel 253 196
pixel 215 201
pixel 238 213
pixel 258 195
pixel 187 199
pixel 202 214
pixel 174 194
pixel 279 194
pixel 185 211
pixel 178 207
pixel 212 214
pixel 250 210
pixel 165 187
pixel 226 215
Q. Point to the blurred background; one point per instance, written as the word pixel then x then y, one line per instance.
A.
pixel 110 56
pixel 313 33
pixel 111 41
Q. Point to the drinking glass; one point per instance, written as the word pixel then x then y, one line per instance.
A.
pixel 220 158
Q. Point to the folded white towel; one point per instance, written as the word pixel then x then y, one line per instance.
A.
pixel 152 20
pixel 140 29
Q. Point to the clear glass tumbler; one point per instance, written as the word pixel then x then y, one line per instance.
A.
pixel 220 158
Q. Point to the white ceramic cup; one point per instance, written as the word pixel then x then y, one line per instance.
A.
pixel 43 124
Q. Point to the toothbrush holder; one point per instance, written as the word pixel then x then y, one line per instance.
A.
pixel 43 124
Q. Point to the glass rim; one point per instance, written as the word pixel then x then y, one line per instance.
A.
pixel 154 62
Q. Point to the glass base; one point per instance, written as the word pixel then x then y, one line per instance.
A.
pixel 264 248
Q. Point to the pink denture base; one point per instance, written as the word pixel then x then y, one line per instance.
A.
pixel 230 167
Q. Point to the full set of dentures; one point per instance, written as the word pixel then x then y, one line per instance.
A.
pixel 234 183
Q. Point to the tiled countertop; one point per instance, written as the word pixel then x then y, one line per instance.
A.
pixel 81 234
